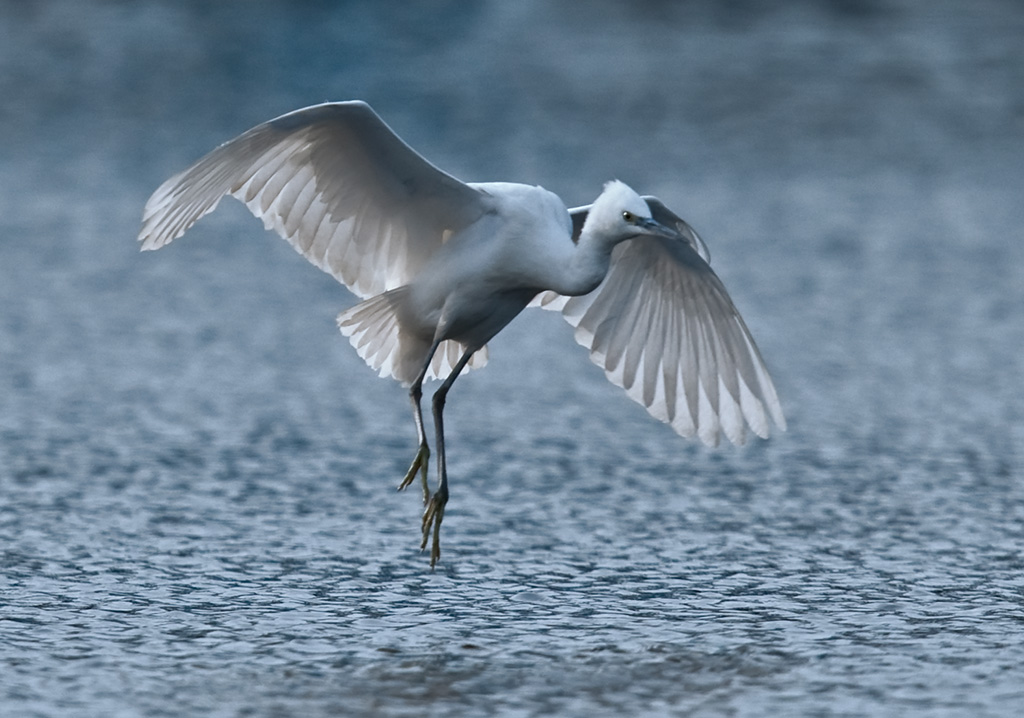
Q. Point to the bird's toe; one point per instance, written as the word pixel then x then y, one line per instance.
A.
pixel 432 517
pixel 418 466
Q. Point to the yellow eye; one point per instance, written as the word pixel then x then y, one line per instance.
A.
pixel 628 216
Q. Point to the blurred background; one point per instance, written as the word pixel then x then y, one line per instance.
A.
pixel 189 423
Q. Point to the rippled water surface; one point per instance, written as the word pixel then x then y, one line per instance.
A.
pixel 197 505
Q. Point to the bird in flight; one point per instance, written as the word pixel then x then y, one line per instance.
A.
pixel 441 266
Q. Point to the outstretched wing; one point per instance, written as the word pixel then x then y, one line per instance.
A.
pixel 337 183
pixel 663 327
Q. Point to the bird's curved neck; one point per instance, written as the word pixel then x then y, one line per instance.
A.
pixel 587 264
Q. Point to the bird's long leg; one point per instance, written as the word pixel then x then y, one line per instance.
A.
pixel 434 512
pixel 419 463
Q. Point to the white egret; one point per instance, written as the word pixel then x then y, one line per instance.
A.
pixel 442 266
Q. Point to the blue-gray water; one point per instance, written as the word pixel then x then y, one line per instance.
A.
pixel 197 505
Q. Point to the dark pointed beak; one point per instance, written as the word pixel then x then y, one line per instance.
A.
pixel 682 232
pixel 651 226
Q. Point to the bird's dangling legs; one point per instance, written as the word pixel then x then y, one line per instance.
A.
pixel 419 464
pixel 434 513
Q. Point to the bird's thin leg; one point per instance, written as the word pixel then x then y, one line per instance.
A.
pixel 419 463
pixel 434 512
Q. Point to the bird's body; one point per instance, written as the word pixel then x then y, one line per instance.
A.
pixel 484 276
pixel 481 278
pixel 442 266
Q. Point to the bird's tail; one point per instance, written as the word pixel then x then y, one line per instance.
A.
pixel 374 329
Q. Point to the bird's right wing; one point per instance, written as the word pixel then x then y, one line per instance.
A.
pixel 337 183
pixel 663 327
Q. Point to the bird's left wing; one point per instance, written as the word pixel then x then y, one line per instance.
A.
pixel 337 183
pixel 663 327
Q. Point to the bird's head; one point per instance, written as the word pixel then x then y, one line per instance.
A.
pixel 620 214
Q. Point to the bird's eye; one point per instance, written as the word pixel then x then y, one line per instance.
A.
pixel 628 216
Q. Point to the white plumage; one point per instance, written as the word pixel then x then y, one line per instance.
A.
pixel 443 265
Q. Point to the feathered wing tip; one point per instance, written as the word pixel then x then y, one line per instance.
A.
pixel 702 396
pixel 373 328
pixel 163 220
pixel 722 400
